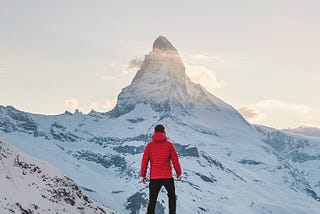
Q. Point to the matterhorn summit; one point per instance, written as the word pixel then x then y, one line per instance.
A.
pixel 163 83
pixel 162 44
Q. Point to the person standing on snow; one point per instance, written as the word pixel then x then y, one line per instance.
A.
pixel 161 153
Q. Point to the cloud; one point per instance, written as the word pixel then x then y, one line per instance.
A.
pixel 95 106
pixel 109 104
pixel 276 104
pixel 204 76
pixel 251 114
pixel 135 63
pixel 131 67
pixel 277 113
pixel 71 104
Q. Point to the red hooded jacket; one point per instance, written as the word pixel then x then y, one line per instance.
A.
pixel 160 153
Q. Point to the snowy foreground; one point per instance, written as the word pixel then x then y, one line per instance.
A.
pixel 229 165
pixel 31 186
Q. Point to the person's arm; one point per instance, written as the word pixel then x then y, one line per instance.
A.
pixel 144 164
pixel 175 162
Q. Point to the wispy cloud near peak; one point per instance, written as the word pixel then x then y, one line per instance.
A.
pixel 204 76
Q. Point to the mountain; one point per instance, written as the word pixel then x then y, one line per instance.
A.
pixel 229 165
pixel 30 186
pixel 305 130
pixel 163 83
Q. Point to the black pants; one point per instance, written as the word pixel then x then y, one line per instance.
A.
pixel 154 188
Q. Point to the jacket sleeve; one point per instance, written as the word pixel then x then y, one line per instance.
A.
pixel 175 160
pixel 145 161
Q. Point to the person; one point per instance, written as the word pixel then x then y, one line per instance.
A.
pixel 162 154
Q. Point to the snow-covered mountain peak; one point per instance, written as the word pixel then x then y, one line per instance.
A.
pixel 163 44
pixel 163 83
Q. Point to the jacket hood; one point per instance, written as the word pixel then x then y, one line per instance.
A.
pixel 159 137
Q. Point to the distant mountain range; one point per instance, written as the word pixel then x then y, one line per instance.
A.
pixel 306 130
pixel 229 165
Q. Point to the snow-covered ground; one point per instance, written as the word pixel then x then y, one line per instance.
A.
pixel 32 186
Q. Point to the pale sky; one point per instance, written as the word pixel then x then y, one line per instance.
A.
pixel 262 57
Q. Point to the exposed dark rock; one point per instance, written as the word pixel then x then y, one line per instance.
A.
pixel 206 178
pixel 117 191
pixel 219 165
pixel 250 162
pixel 288 146
pixel 195 186
pixel 202 209
pixel 6 126
pixel 87 189
pixel 162 43
pixel 120 110
pixel 136 201
pixel 58 126
pixel 300 157
pixel 58 132
pixel 104 141
pixel 23 120
pixel 23 211
pixel 104 160
pixel 69 201
pixel 312 193
pixel 129 149
pixel 186 150
pixel 86 199
pixel 136 120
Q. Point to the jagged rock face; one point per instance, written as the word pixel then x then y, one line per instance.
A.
pixel 163 83
pixel 162 44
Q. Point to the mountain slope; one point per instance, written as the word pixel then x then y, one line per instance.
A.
pixel 229 166
pixel 29 186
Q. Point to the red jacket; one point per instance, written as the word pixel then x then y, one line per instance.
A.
pixel 160 153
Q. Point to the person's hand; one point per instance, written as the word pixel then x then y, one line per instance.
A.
pixel 144 180
pixel 179 178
